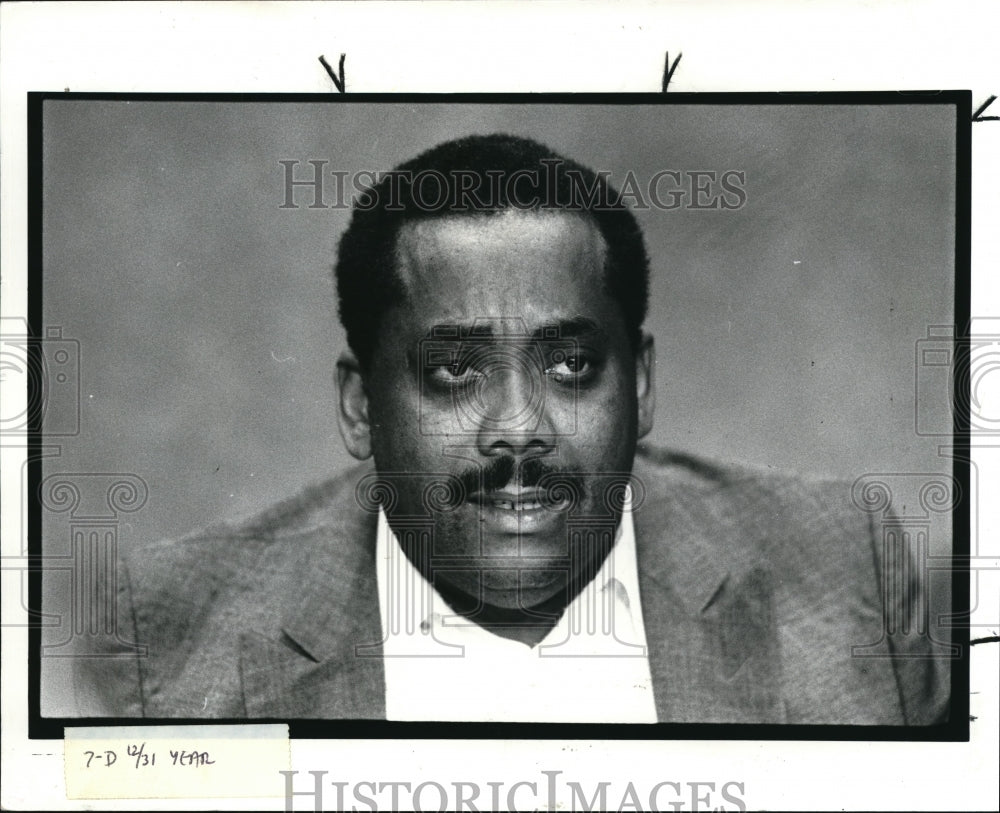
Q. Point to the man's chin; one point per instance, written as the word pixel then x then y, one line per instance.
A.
pixel 512 589
pixel 505 589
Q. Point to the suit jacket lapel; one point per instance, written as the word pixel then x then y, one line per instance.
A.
pixel 280 682
pixel 707 608
pixel 326 662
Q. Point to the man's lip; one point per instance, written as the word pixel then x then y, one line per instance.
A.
pixel 510 495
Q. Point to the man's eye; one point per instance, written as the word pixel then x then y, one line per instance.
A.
pixel 453 372
pixel 569 366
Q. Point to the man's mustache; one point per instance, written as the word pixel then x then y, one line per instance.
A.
pixel 558 488
pixel 529 472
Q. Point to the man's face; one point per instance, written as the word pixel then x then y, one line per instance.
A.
pixel 506 371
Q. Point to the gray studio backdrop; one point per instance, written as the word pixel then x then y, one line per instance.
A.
pixel 786 330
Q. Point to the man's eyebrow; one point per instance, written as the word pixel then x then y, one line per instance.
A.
pixel 569 329
pixel 559 329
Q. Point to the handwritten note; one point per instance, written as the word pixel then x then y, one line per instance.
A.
pixel 175 762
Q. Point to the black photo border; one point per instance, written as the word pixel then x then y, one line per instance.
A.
pixel 957 727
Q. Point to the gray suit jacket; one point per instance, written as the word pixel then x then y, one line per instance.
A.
pixel 754 585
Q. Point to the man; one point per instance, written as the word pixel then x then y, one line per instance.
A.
pixel 503 553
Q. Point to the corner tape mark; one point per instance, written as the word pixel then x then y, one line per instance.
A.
pixel 338 78
pixel 668 69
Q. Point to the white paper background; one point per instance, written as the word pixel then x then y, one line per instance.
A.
pixel 447 47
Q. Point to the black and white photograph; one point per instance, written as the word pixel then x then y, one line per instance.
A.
pixel 552 410
pixel 499 406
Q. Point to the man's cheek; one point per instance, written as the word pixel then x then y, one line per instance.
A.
pixel 394 429
pixel 604 424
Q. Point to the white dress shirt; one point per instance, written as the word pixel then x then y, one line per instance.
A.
pixel 592 666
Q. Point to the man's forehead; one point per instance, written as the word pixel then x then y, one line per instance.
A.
pixel 509 328
pixel 510 273
pixel 502 243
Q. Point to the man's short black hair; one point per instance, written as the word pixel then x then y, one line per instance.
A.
pixel 479 176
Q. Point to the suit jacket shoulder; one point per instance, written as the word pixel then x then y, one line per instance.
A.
pixel 290 573
pixel 791 567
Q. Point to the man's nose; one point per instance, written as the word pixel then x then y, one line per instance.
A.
pixel 511 412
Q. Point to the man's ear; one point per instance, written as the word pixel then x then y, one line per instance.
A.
pixel 645 383
pixel 352 418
